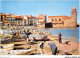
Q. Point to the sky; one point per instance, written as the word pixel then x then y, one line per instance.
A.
pixel 34 7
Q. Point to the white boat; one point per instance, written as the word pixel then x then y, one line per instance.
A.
pixel 37 37
pixel 6 46
pixel 10 48
pixel 17 52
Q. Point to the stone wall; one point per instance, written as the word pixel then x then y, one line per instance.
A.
pixel 66 21
pixel 41 25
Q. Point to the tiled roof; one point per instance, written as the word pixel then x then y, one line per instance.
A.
pixel 34 17
pixel 19 17
pixel 2 14
pixel 64 17
pixel 74 7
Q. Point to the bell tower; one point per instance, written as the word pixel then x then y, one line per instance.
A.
pixel 74 16
pixel 74 13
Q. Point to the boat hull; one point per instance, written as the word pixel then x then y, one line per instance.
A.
pixel 17 52
pixel 37 37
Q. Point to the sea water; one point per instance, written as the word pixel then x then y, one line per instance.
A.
pixel 67 33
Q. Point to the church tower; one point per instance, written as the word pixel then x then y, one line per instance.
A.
pixel 74 16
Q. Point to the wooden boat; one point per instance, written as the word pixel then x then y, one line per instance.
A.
pixel 37 37
pixel 5 40
pixel 47 33
pixel 7 46
pixel 17 52
pixel 10 48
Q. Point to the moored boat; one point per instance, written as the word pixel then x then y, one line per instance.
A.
pixel 5 46
pixel 10 48
pixel 37 37
pixel 17 52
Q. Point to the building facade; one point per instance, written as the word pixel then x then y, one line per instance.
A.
pixel 26 20
pixel 2 18
pixel 64 21
pixel 39 21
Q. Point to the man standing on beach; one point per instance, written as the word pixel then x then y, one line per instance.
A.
pixel 60 40
pixel 28 33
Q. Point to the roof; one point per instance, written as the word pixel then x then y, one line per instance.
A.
pixel 64 17
pixel 40 18
pixel 19 17
pixel 2 14
pixel 74 7
pixel 34 17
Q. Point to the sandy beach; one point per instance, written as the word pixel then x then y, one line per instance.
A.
pixel 72 47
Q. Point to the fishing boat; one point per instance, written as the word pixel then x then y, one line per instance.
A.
pixel 7 46
pixel 17 52
pixel 5 40
pixel 47 33
pixel 10 48
pixel 37 37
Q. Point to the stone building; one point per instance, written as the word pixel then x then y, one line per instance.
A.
pixel 26 20
pixel 2 18
pixel 10 20
pixel 41 21
pixel 64 21
pixel 35 21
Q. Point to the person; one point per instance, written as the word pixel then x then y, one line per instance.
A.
pixel 53 48
pixel 24 35
pixel 27 35
pixel 60 40
pixel 41 46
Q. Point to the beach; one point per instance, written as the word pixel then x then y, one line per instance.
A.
pixel 72 48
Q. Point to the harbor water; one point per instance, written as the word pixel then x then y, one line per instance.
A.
pixel 67 33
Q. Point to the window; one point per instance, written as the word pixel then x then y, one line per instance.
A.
pixel 55 19
pixel 59 19
pixel 18 21
pixel 11 19
pixel 52 19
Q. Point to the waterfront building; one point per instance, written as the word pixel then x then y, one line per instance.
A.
pixel 64 21
pixel 2 18
pixel 26 20
pixel 40 21
pixel 19 20
pixel 10 20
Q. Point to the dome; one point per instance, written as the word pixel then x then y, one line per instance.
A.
pixel 74 8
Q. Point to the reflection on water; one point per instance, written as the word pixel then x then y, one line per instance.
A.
pixel 67 33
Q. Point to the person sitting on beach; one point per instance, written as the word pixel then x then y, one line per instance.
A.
pixel 60 40
pixel 53 48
